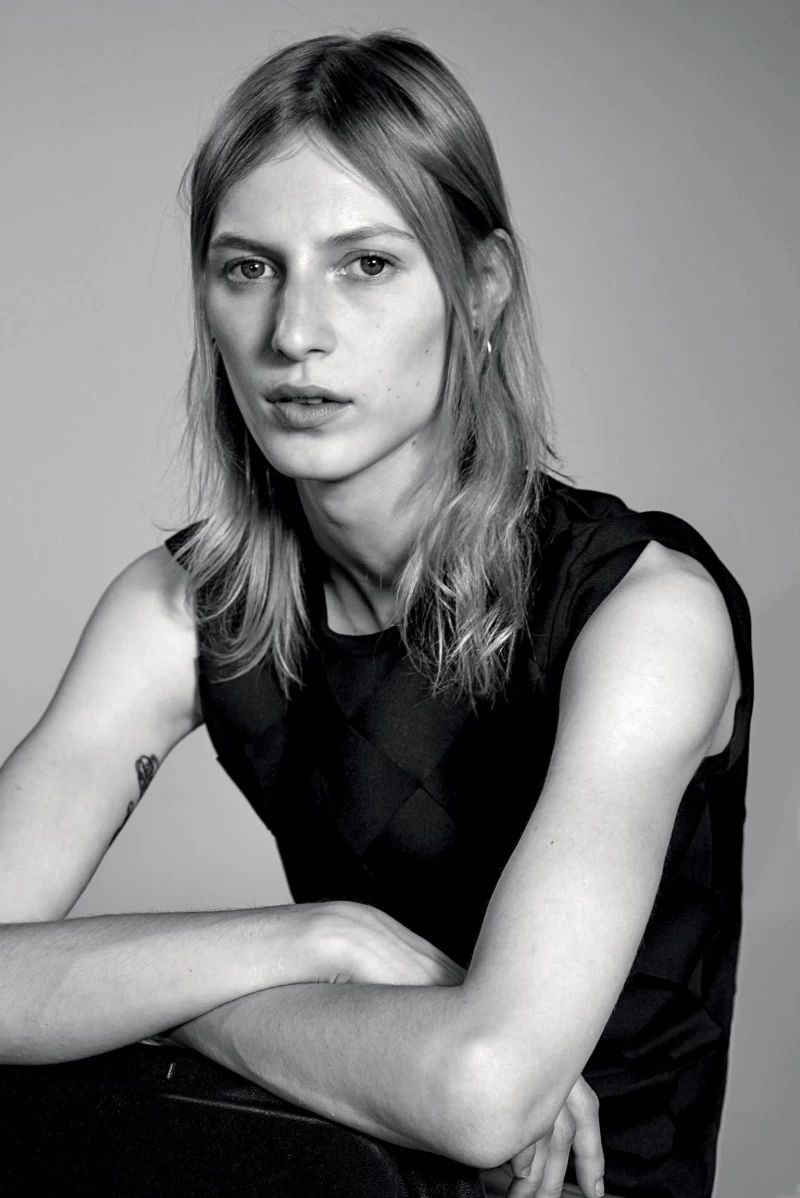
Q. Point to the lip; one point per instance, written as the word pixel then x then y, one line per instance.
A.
pixel 289 391
pixel 292 414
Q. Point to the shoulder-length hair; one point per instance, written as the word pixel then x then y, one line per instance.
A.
pixel 389 107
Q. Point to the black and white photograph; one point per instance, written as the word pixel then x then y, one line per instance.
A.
pixel 399 793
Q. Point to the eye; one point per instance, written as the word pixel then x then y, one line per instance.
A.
pixel 252 270
pixel 373 266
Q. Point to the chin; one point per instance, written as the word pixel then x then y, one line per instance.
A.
pixel 313 467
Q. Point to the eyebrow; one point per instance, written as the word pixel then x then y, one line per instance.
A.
pixel 230 240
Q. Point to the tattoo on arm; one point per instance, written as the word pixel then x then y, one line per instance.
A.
pixel 145 772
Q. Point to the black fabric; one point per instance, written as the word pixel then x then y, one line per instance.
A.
pixel 146 1121
pixel 379 793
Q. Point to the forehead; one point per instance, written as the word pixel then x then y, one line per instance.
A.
pixel 308 190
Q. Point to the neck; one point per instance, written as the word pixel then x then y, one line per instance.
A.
pixel 365 527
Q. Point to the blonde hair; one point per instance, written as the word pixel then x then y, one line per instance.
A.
pixel 390 108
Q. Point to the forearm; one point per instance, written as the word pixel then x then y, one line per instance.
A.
pixel 382 1059
pixel 74 988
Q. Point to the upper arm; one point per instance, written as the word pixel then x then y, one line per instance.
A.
pixel 644 689
pixel 128 695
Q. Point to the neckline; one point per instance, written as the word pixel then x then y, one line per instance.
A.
pixel 383 640
pixel 357 643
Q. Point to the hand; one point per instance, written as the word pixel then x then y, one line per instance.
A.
pixel 353 942
pixel 577 1126
pixel 363 944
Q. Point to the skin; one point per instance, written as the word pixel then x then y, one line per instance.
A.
pixel 129 695
pixel 373 329
pixel 146 767
pixel 482 1068
pixel 367 319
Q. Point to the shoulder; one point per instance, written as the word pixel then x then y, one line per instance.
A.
pixel 662 641
pixel 683 595
pixel 140 644
pixel 131 685
pixel 567 508
pixel 657 560
pixel 156 583
pixel 592 542
pixel 695 586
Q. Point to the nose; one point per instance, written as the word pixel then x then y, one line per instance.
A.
pixel 302 326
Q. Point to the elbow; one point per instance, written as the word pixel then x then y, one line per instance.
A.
pixel 494 1105
pixel 18 1047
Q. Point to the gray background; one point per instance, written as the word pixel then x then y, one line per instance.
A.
pixel 650 149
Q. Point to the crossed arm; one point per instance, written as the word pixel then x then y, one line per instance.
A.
pixel 479 1071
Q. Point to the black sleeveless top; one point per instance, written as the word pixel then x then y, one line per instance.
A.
pixel 378 793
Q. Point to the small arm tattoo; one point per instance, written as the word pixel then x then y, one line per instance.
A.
pixel 145 772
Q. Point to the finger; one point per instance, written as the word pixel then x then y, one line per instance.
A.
pixel 587 1147
pixel 557 1155
pixel 442 964
pixel 536 1166
pixel 522 1160
pixel 439 962
pixel 392 955
pixel 442 971
pixel 424 969
pixel 528 1187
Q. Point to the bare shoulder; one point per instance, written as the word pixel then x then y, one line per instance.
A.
pixel 156 577
pixel 153 589
pixel 137 653
pixel 149 601
pixel 128 695
pixel 658 561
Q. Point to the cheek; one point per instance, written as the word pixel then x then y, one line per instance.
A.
pixel 247 410
pixel 429 362
pixel 232 338
pixel 410 353
pixel 237 358
pixel 237 326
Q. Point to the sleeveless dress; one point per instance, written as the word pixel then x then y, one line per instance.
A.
pixel 378 793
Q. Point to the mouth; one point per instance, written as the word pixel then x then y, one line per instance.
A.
pixel 289 393
pixel 315 399
pixel 300 413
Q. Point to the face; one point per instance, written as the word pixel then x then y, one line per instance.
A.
pixel 314 279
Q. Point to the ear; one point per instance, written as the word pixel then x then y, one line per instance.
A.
pixel 491 279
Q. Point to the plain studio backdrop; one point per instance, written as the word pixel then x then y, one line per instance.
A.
pixel 650 150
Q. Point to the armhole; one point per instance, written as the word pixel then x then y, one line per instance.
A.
pixel 718 763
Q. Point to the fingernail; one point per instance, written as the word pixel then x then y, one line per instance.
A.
pixel 600 1189
pixel 526 1172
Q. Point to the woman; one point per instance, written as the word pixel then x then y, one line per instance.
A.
pixel 498 724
